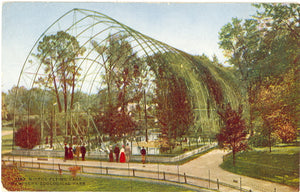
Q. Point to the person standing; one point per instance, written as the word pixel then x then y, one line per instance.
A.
pixel 122 155
pixel 83 151
pixel 111 154
pixel 143 153
pixel 77 152
pixel 66 152
pixel 117 152
pixel 70 152
pixel 127 152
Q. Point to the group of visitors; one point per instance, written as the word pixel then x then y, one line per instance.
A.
pixel 122 155
pixel 70 152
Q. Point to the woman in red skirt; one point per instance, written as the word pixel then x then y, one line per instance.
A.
pixel 122 155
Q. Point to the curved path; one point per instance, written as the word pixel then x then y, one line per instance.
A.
pixel 205 166
pixel 6 133
pixel 208 164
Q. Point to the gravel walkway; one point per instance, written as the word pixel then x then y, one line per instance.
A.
pixel 209 165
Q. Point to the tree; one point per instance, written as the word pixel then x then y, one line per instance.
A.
pixel 27 137
pixel 174 110
pixel 58 54
pixel 287 132
pixel 278 26
pixel 4 112
pixel 240 40
pixel 17 106
pixel 276 104
pixel 117 124
pixel 124 81
pixel 233 134
pixel 279 16
pixel 270 40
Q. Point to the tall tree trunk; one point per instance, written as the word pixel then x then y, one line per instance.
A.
pixel 72 93
pixel 250 101
pixel 146 119
pixel 269 138
pixel 65 88
pixel 56 89
pixel 233 157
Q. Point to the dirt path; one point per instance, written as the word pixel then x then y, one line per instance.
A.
pixel 6 133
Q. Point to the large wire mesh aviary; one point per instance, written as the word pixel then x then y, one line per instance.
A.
pixel 86 62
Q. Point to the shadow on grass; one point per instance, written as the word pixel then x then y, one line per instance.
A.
pixel 280 166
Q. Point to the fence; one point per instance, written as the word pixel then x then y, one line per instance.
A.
pixel 206 183
pixel 98 155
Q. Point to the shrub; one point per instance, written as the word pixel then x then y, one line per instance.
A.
pixel 27 137
pixel 11 178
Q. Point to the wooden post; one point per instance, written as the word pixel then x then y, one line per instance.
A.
pixel 158 171
pixel 185 178
pixel 178 173
pixel 240 183
pixel 82 168
pixel 208 178
pixel 133 173
pixel 106 171
pixel 100 164
pixel 164 175
pixel 218 184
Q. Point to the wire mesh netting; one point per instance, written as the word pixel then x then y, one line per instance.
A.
pixel 86 65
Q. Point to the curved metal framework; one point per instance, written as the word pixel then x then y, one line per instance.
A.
pixel 208 86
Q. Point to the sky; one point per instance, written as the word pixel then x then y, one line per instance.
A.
pixel 190 27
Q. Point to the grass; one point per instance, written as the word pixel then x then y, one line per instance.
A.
pixel 53 182
pixel 280 166
pixel 7 137
pixel 7 126
pixel 7 141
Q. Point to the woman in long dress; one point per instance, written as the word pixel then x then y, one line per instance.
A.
pixel 77 152
pixel 122 155
pixel 66 152
pixel 111 154
pixel 70 153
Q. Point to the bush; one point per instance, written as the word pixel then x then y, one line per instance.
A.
pixel 259 140
pixel 27 137
pixel 11 178
pixel 280 166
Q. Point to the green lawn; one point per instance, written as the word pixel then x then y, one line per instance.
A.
pixel 280 166
pixel 7 141
pixel 54 182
